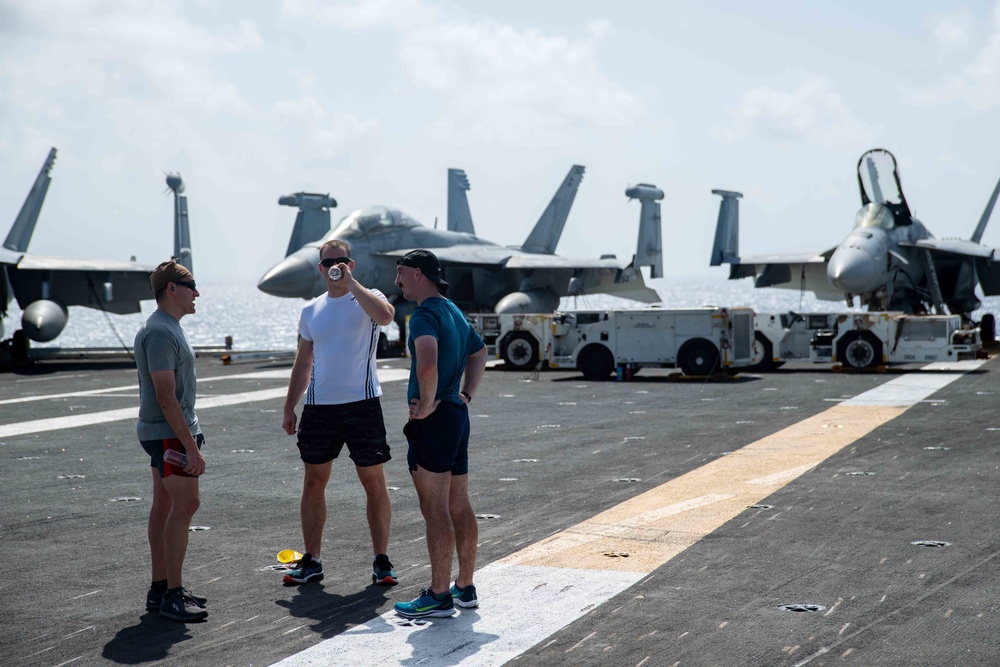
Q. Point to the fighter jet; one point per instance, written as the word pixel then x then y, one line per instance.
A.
pixel 889 260
pixel 45 287
pixel 484 276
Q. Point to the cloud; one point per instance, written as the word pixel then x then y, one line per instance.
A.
pixel 337 135
pixel 952 30
pixel 303 109
pixel 366 14
pixel 814 113
pixel 123 50
pixel 977 83
pixel 494 83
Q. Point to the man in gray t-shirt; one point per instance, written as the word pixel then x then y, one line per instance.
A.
pixel 169 432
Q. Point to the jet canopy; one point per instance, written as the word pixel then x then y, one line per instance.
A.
pixel 371 220
pixel 878 179
pixel 874 215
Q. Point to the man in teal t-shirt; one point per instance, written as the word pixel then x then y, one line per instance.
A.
pixel 443 349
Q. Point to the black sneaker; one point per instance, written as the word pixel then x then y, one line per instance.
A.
pixel 464 597
pixel 154 599
pixel 179 607
pixel 306 570
pixel 382 572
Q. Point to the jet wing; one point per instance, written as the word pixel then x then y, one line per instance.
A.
pixel 489 255
pixel 984 258
pixel 579 276
pixel 42 263
pixel 111 285
pixel 788 258
pixel 954 247
pixel 802 271
pixel 554 262
pixel 511 258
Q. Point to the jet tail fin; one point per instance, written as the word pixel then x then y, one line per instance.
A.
pixel 649 248
pixel 459 215
pixel 182 233
pixel 313 219
pixel 727 232
pixel 981 227
pixel 545 236
pixel 24 225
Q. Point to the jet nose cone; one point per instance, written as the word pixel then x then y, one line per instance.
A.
pixel 852 270
pixel 291 277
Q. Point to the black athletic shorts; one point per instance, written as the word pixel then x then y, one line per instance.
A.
pixel 440 442
pixel 157 448
pixel 325 429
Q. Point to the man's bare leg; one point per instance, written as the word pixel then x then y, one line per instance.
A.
pixel 379 506
pixel 184 502
pixel 433 492
pixel 312 506
pixel 158 513
pixel 463 519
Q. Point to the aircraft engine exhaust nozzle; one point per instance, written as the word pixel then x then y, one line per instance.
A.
pixel 293 276
pixel 43 320
pixel 852 270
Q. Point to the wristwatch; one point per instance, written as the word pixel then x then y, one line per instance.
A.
pixel 468 398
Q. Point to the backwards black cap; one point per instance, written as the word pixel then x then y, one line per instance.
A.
pixel 428 264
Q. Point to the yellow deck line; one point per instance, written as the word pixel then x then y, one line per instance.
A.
pixel 654 527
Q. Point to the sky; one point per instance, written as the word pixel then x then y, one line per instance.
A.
pixel 373 101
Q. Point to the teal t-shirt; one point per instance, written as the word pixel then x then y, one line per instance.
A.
pixel 442 319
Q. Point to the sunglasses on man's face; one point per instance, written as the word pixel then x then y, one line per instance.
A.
pixel 185 283
pixel 330 261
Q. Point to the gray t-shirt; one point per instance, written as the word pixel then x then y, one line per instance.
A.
pixel 161 345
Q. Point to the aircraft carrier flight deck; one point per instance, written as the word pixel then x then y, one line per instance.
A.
pixel 801 517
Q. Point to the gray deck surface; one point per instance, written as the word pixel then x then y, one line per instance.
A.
pixel 75 560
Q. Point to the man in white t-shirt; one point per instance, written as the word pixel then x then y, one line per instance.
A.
pixel 335 369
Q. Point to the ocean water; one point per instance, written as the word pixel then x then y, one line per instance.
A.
pixel 257 321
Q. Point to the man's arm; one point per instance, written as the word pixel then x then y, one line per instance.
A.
pixel 475 367
pixel 380 310
pixel 297 383
pixel 426 349
pixel 165 387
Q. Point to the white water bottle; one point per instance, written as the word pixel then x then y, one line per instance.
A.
pixel 175 458
pixel 334 272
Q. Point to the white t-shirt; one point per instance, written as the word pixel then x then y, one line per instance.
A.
pixel 344 341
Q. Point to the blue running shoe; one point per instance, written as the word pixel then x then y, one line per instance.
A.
pixel 306 570
pixel 382 572
pixel 464 597
pixel 426 604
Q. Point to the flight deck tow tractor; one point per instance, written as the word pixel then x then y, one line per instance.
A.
pixel 700 341
pixel 861 340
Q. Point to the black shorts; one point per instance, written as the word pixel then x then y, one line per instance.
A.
pixel 157 448
pixel 325 429
pixel 440 442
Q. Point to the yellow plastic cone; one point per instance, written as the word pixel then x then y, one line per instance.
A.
pixel 289 556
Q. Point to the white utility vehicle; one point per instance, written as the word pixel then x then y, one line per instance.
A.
pixel 700 341
pixel 861 340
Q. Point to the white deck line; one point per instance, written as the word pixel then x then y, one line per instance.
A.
pixel 526 605
pixel 203 403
